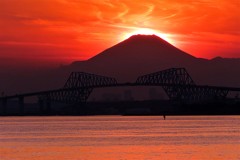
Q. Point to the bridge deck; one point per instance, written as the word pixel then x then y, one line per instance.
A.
pixel 116 85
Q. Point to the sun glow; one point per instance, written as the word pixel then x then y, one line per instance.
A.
pixel 147 31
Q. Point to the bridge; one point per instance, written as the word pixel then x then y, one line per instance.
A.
pixel 176 82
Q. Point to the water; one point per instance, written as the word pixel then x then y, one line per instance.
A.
pixel 120 138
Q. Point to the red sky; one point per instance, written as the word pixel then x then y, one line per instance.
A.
pixel 51 32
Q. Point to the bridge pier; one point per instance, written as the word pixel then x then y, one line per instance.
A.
pixel 45 105
pixel 21 105
pixel 41 105
pixel 48 105
pixel 3 107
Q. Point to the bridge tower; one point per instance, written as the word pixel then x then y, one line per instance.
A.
pixel 179 85
pixel 79 86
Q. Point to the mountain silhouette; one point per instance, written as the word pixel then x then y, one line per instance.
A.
pixel 137 55
pixel 143 54
pixel 133 57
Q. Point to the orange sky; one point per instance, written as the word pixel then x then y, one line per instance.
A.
pixel 48 32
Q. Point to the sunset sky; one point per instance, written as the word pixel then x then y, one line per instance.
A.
pixel 53 32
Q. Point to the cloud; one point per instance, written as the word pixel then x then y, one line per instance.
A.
pixel 84 23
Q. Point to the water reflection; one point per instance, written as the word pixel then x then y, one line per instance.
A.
pixel 119 138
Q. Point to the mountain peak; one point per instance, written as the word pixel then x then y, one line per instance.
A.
pixel 144 36
pixel 147 38
pixel 142 47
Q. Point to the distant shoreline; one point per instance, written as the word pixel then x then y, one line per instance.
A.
pixel 129 108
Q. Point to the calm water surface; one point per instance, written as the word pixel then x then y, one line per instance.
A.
pixel 120 138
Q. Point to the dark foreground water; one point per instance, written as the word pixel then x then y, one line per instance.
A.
pixel 120 138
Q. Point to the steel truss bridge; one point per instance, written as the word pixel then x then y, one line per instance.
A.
pixel 176 82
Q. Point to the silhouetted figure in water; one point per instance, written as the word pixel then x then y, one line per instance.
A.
pixel 164 116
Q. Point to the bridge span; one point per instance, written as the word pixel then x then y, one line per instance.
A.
pixel 176 82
